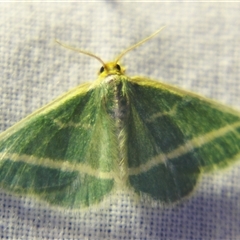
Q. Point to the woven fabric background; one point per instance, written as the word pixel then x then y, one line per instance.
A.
pixel 199 50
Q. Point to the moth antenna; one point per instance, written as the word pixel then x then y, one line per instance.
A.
pixel 138 44
pixel 81 51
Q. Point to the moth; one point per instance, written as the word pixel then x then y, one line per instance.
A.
pixel 118 132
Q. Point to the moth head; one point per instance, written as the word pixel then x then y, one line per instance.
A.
pixel 111 68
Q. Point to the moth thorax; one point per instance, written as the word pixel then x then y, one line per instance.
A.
pixel 121 105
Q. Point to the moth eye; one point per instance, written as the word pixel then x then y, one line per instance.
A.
pixel 118 67
pixel 101 69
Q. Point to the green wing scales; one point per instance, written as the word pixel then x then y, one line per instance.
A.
pixel 118 132
pixel 56 153
pixel 174 136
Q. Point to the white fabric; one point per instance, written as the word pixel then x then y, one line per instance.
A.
pixel 199 50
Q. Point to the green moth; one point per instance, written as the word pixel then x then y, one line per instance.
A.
pixel 119 132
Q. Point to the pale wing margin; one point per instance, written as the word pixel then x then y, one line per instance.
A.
pixel 81 89
pixel 144 81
